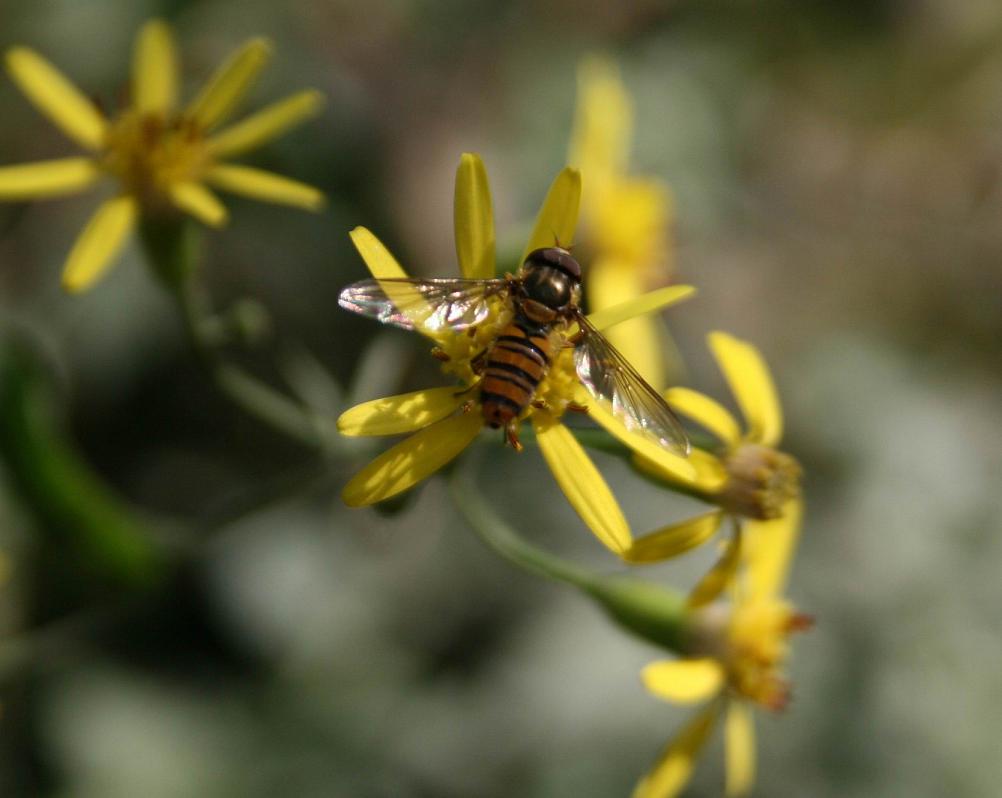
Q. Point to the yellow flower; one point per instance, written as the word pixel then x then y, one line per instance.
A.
pixel 626 218
pixel 446 420
pixel 747 477
pixel 162 156
pixel 736 652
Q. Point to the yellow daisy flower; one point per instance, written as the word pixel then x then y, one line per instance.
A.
pixel 747 477
pixel 626 218
pixel 444 421
pixel 163 156
pixel 736 652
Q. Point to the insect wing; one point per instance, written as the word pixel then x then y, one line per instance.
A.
pixel 433 305
pixel 611 379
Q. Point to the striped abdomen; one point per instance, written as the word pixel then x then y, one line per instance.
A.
pixel 517 361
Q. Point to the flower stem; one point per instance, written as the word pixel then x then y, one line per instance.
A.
pixel 652 612
pixel 173 248
pixel 506 542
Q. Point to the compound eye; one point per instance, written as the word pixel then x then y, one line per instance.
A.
pixel 548 287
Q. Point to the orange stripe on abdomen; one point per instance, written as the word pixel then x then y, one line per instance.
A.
pixel 516 363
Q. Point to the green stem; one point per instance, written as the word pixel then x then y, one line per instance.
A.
pixel 505 541
pixel 649 611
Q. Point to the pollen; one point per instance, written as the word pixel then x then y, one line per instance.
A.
pixel 464 350
pixel 559 388
pixel 148 153
pixel 757 649
pixel 761 480
pixel 462 353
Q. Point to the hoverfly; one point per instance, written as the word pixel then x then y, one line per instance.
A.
pixel 543 297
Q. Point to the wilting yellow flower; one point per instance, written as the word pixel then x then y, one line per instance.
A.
pixel 626 218
pixel 163 156
pixel 736 652
pixel 446 420
pixel 747 477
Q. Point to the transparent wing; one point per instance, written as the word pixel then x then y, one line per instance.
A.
pixel 432 305
pixel 610 379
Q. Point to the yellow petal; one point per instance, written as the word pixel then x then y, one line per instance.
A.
pixel 721 575
pixel 603 125
pixel 770 549
pixel 708 473
pixel 474 219
pixel 581 482
pixel 684 681
pixel 267 124
pixel 657 456
pixel 752 385
pixel 382 265
pixel 645 303
pixel 611 281
pixel 411 460
pixel 56 97
pixel 629 223
pixel 227 87
pixel 706 412
pixel 99 243
pixel 154 69
pixel 558 217
pixel 739 748
pixel 670 541
pixel 265 186
pixel 196 199
pixel 672 772
pixel 396 415
pixel 47 178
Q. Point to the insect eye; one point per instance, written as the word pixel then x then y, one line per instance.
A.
pixel 548 287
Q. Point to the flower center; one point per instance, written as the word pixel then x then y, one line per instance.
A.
pixel 757 648
pixel 555 391
pixel 760 481
pixel 149 153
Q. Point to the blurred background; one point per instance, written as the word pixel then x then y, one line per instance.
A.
pixel 836 172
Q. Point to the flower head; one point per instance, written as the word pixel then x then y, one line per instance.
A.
pixel 446 420
pixel 626 218
pixel 735 660
pixel 162 156
pixel 747 476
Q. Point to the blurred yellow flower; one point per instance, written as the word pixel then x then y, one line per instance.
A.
pixel 736 655
pixel 626 219
pixel 748 477
pixel 162 156
pixel 440 432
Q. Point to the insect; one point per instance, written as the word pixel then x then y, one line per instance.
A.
pixel 543 297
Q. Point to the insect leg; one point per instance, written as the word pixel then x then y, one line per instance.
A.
pixel 479 362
